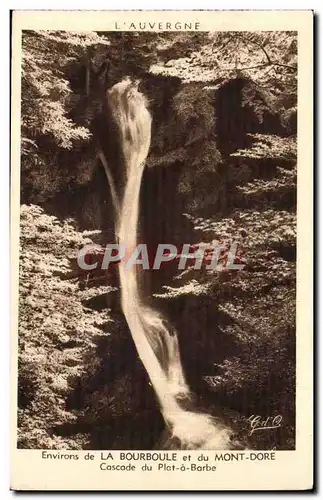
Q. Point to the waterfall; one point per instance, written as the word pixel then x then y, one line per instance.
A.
pixel 156 345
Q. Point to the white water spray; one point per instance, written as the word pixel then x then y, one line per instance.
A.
pixel 157 346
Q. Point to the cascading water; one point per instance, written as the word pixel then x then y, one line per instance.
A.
pixel 157 346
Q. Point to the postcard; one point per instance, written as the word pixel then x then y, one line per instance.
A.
pixel 162 250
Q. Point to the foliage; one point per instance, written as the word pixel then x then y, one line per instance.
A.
pixel 256 305
pixel 51 139
pixel 269 58
pixel 174 45
pixel 55 327
pixel 270 146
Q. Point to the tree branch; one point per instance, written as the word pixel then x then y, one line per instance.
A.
pixel 294 68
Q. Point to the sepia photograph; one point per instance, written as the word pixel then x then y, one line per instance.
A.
pixel 157 264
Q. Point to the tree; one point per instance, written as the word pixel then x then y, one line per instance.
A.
pixel 269 58
pixel 49 136
pixel 256 306
pixel 56 326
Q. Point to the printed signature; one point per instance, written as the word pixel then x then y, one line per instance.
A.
pixel 257 423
